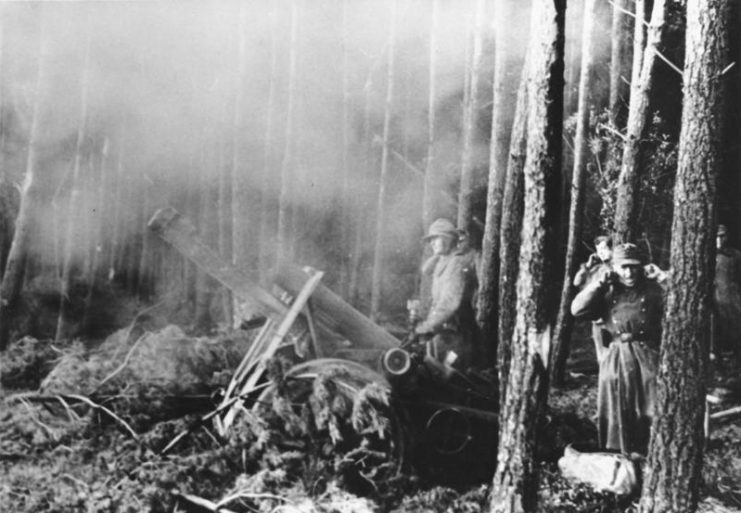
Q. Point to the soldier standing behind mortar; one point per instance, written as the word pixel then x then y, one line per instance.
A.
pixel 596 265
pixel 451 320
pixel 630 302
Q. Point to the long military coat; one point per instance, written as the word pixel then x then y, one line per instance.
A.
pixel 627 372
pixel 451 316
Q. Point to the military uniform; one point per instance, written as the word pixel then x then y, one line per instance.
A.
pixel 584 276
pixel 451 317
pixel 627 371
pixel 727 302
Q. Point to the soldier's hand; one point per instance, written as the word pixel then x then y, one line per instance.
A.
pixel 654 272
pixel 423 329
pixel 593 261
pixel 606 278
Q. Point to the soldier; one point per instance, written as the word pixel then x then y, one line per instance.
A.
pixel 727 297
pixel 629 300
pixel 450 321
pixel 596 265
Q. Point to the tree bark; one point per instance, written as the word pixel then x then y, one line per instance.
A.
pixel 506 70
pixel 465 190
pixel 285 178
pixel 628 179
pixel 620 55
pixel 673 474
pixel 267 216
pixel 427 196
pixel 240 197
pixel 510 240
pixel 378 254
pixel 564 321
pixel 515 483
pixel 29 202
pixel 74 198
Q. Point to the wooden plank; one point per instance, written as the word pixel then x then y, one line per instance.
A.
pixel 331 310
pixel 175 229
pixel 252 379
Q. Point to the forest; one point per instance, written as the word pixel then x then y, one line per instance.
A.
pixel 214 220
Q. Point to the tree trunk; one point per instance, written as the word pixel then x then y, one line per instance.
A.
pixel 286 172
pixel 231 216
pixel 510 239
pixel 345 203
pixel 628 180
pixel 29 202
pixel 240 197
pixel 74 199
pixel 564 321
pixel 622 27
pixel 503 109
pixel 97 223
pixel 515 483
pixel 427 196
pixel 465 191
pixel 267 216
pixel 673 475
pixel 378 269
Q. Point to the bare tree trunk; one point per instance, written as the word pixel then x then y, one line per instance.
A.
pixel 510 238
pixel 74 198
pixel 267 221
pixel 286 171
pixel 361 213
pixel 345 203
pixel 627 188
pixel 673 476
pixel 503 110
pixel 564 321
pixel 117 223
pixel 427 196
pixel 378 269
pixel 230 216
pixel 515 483
pixel 470 116
pixel 622 25
pixel 240 203
pixel 30 196
pixel 97 222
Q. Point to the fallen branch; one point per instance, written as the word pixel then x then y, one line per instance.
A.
pixel 105 410
pixel 200 502
pixel 736 410
pixel 123 364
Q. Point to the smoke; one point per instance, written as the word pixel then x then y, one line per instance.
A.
pixel 175 102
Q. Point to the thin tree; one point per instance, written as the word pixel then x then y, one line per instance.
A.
pixel 346 192
pixel 514 487
pixel 29 201
pixel 510 238
pixel 504 100
pixel 97 233
pixel 378 270
pixel 427 196
pixel 564 321
pixel 620 54
pixel 239 195
pixel 231 187
pixel 286 168
pixel 628 179
pixel 74 199
pixel 673 476
pixel 470 117
pixel 267 221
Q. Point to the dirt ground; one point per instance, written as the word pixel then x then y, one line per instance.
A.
pixel 61 453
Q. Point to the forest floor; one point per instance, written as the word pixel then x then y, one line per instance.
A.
pixel 61 453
